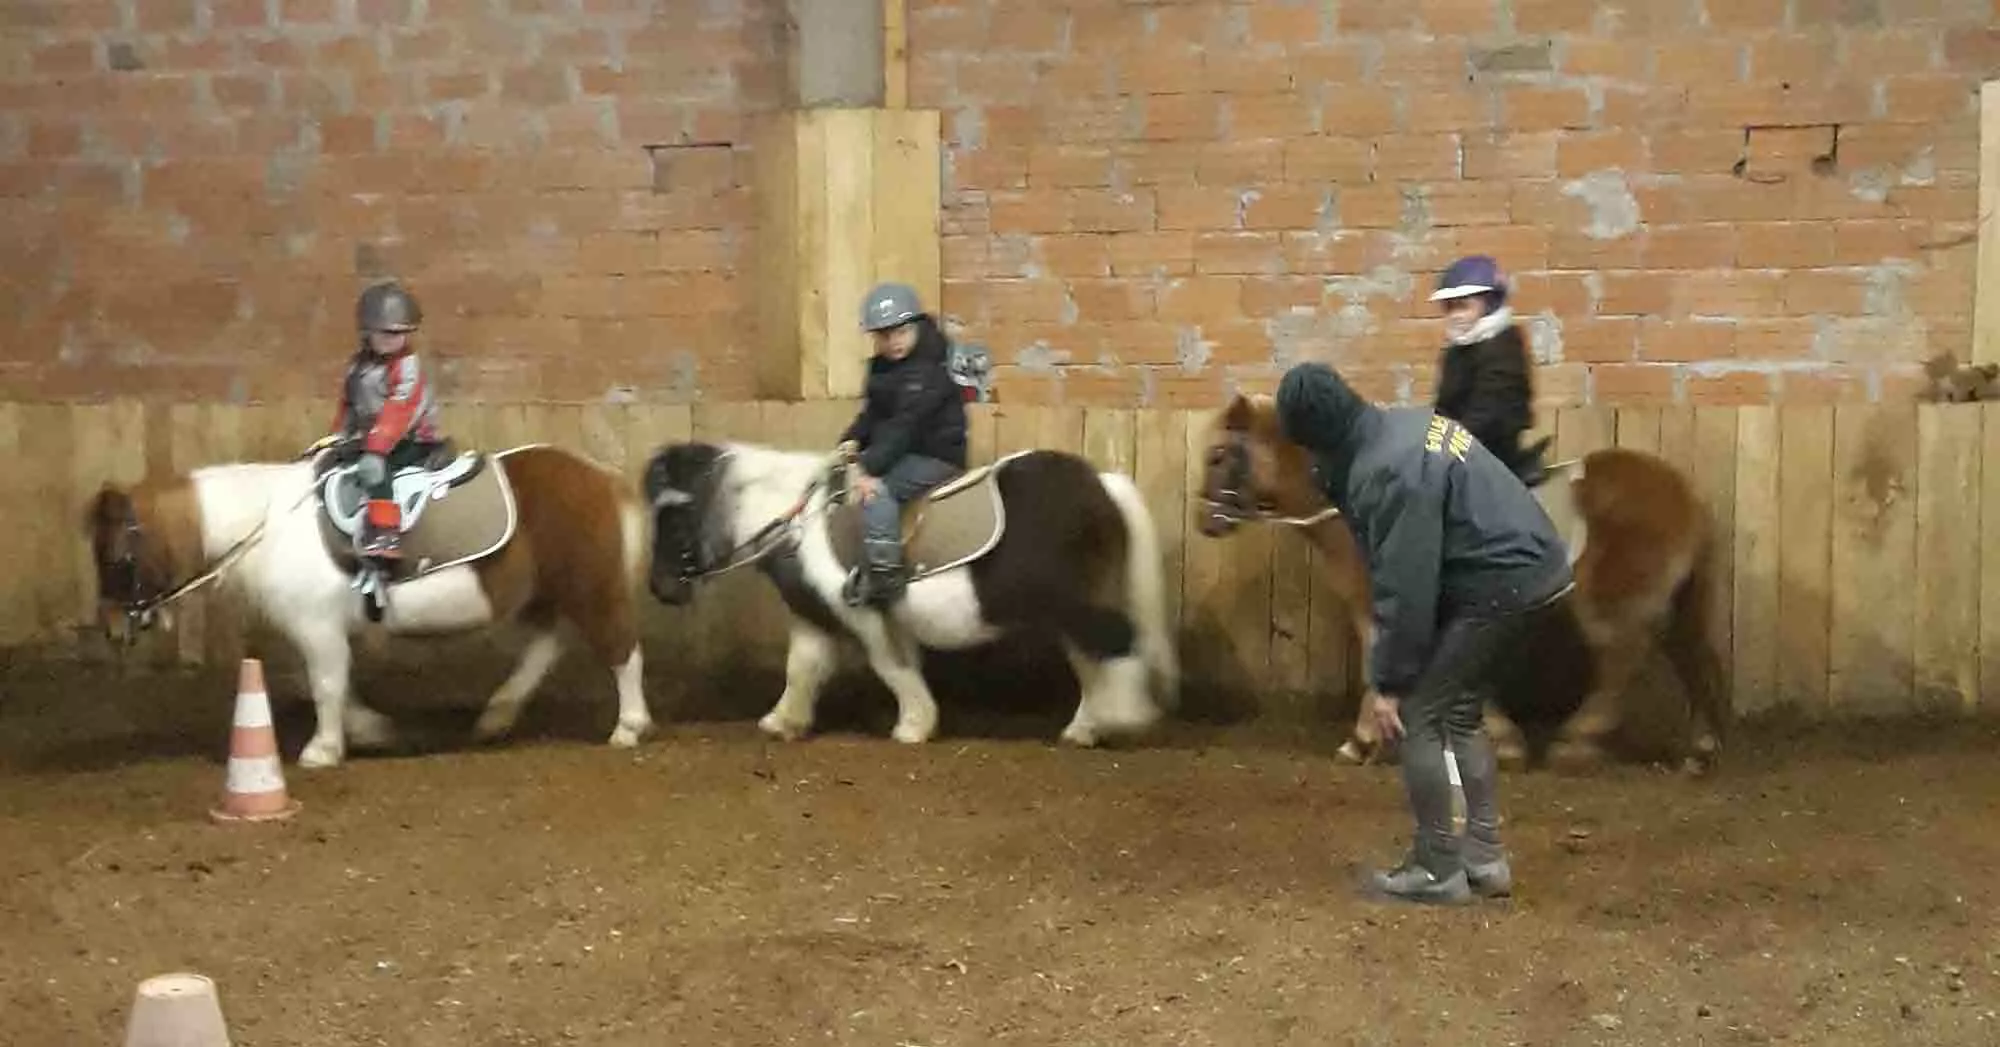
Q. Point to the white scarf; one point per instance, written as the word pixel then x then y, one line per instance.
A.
pixel 1481 329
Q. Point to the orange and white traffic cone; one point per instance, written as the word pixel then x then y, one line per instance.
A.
pixel 176 1010
pixel 254 788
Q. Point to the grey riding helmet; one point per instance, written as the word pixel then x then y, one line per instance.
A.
pixel 387 307
pixel 890 305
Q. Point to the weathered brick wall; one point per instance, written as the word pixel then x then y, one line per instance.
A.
pixel 194 191
pixel 1704 201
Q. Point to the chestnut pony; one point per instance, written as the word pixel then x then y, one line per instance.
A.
pixel 534 536
pixel 1642 549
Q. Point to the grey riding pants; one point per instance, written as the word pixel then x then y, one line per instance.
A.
pixel 1447 707
pixel 911 477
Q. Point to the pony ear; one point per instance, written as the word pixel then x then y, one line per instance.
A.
pixel 1238 415
pixel 99 507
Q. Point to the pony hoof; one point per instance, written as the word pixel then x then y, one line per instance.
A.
pixel 628 736
pixel 911 734
pixel 1354 754
pixel 492 728
pixel 1080 736
pixel 320 755
pixel 1511 758
pixel 1575 757
pixel 780 728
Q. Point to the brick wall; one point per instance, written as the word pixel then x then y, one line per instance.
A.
pixel 193 191
pixel 1704 202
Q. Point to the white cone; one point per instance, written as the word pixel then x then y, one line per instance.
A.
pixel 176 1010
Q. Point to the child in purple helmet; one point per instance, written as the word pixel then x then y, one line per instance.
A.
pixel 1485 379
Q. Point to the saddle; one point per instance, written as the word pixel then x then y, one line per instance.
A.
pixel 953 525
pixel 456 507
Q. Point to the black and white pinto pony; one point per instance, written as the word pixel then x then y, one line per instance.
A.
pixel 1073 551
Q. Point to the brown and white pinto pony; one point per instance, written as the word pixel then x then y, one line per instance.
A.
pixel 1077 557
pixel 577 554
pixel 1643 558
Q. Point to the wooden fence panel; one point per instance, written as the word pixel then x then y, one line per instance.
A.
pixel 1852 575
pixel 1874 556
pixel 1754 621
pixel 1946 626
pixel 1805 559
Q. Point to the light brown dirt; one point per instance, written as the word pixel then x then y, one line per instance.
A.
pixel 715 888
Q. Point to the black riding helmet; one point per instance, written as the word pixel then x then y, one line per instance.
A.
pixel 388 308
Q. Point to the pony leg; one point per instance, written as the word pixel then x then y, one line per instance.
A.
pixel 635 720
pixel 1364 744
pixel 809 662
pixel 897 662
pixel 1105 652
pixel 1113 697
pixel 1700 672
pixel 329 665
pixel 1510 751
pixel 1580 745
pixel 366 728
pixel 503 709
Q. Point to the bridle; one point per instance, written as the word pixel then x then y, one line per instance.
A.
pixel 780 533
pixel 1227 502
pixel 141 609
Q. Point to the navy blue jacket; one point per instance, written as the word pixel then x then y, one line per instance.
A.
pixel 911 406
pixel 1447 528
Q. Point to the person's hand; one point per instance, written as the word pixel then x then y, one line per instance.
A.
pixel 867 486
pixel 848 450
pixel 371 470
pixel 1387 712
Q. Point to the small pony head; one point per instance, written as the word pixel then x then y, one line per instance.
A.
pixel 133 551
pixel 1251 470
pixel 682 482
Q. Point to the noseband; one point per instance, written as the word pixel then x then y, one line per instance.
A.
pixel 1228 502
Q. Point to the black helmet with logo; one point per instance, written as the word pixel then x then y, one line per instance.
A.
pixel 387 307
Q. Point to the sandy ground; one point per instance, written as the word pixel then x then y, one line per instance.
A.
pixel 990 888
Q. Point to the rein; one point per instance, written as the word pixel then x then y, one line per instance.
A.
pixel 759 545
pixel 1228 511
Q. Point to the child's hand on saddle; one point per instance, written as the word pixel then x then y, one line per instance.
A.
pixel 372 469
pixel 848 450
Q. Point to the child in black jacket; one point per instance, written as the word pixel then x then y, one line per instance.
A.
pixel 1485 379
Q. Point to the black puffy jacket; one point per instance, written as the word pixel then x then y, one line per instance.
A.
pixel 1488 387
pixel 911 406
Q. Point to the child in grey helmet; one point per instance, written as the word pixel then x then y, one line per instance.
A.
pixel 910 436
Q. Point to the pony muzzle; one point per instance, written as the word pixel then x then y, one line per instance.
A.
pixel 1217 519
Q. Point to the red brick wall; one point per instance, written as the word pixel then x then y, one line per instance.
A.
pixel 194 190
pixel 1156 201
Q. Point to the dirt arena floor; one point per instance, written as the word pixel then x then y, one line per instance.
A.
pixel 990 888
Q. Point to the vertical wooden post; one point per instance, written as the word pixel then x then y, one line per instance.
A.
pixel 848 188
pixel 1986 281
pixel 895 55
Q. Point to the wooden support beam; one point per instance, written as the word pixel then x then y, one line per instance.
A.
pixel 837 53
pixel 847 197
pixel 895 54
pixel 1986 282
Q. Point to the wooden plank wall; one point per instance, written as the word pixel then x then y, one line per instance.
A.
pixel 1851 563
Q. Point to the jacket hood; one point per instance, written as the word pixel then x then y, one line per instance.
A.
pixel 1320 412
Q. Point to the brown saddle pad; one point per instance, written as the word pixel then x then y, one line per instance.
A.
pixel 952 526
pixel 452 514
